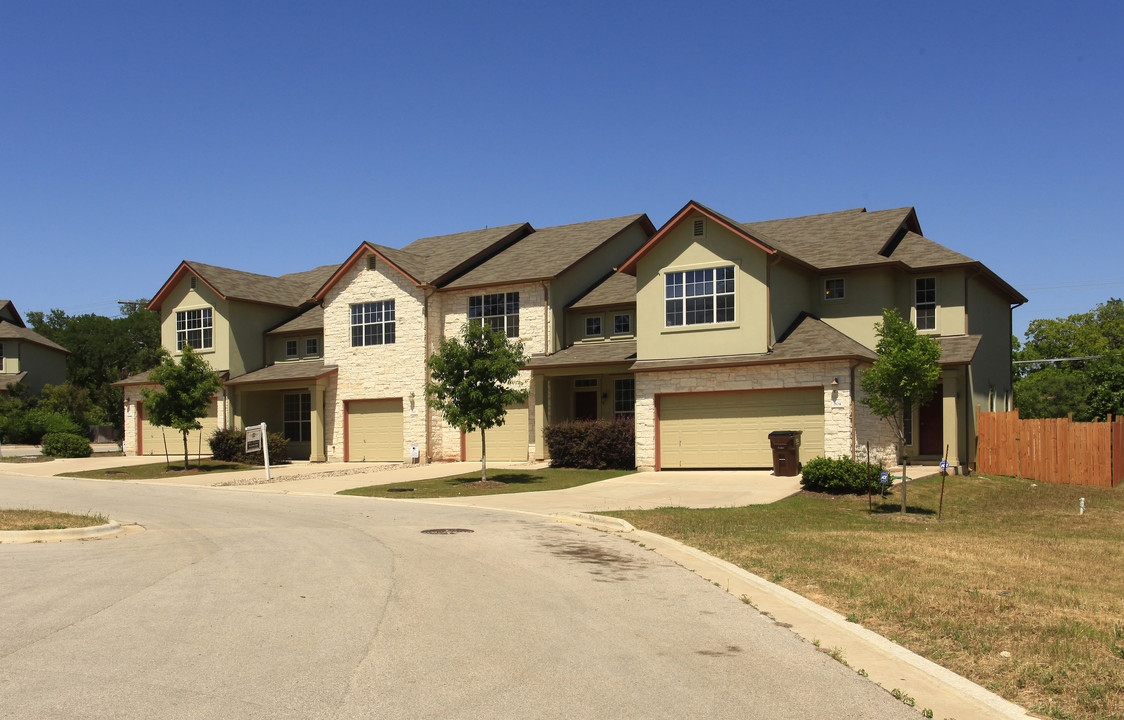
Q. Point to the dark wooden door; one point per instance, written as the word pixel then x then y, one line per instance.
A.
pixel 585 405
pixel 930 417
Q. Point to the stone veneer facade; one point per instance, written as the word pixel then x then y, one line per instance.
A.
pixel 841 436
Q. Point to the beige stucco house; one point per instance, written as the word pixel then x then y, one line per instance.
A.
pixel 707 334
pixel 26 356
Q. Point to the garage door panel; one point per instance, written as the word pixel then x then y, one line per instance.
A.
pixel 507 443
pixel 374 431
pixel 732 429
pixel 153 437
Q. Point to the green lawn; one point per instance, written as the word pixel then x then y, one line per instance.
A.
pixel 1012 566
pixel 47 520
pixel 499 481
pixel 154 471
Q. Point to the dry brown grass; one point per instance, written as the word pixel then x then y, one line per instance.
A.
pixel 46 520
pixel 1010 567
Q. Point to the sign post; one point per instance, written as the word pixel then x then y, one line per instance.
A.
pixel 257 440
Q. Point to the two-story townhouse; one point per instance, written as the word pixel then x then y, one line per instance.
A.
pixel 26 356
pixel 335 357
pixel 747 328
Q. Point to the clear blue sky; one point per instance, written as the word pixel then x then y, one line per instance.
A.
pixel 277 136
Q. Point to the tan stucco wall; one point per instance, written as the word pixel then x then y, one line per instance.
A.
pixel 575 324
pixel 275 345
pixel 791 291
pixel 679 250
pixel 44 366
pixel 867 293
pixel 376 371
pixel 577 280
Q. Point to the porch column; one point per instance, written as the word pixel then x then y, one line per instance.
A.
pixel 316 453
pixel 531 417
pixel 950 407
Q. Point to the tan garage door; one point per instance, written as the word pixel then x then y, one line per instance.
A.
pixel 152 437
pixel 374 431
pixel 507 443
pixel 727 430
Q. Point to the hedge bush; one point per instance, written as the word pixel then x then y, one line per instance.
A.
pixel 592 444
pixel 66 445
pixel 29 426
pixel 230 446
pixel 842 475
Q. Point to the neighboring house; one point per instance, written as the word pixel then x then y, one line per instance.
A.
pixel 707 334
pixel 26 356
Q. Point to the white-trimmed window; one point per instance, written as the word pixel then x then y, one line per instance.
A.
pixel 624 398
pixel 298 417
pixel 372 323
pixel 291 348
pixel 622 324
pixel 925 303
pixel 311 347
pixel 194 328
pixel 699 297
pixel 834 289
pixel 498 311
pixel 593 326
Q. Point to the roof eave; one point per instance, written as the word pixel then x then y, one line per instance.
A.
pixel 183 269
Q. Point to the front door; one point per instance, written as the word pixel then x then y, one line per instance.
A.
pixel 585 405
pixel 930 417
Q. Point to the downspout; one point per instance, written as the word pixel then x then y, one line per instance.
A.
pixel 426 294
pixel 546 317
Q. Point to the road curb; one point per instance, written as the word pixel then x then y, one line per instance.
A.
pixel 43 536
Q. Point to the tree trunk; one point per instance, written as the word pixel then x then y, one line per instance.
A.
pixel 905 463
pixel 483 456
pixel 184 450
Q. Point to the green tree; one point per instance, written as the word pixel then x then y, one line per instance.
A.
pixel 104 350
pixel 904 375
pixel 470 381
pixel 1052 393
pixel 1106 381
pixel 185 393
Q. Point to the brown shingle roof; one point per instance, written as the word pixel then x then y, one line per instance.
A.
pixel 286 371
pixel 308 321
pixel 290 290
pixel 958 349
pixel 9 308
pixel 809 339
pixel 847 238
pixel 545 253
pixel 445 254
pixel 585 354
pixel 617 289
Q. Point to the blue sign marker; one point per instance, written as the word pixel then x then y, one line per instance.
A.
pixel 944 465
pixel 885 477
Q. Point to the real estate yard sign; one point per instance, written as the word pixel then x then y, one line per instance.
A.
pixel 256 441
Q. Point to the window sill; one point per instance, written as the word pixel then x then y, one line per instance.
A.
pixel 700 328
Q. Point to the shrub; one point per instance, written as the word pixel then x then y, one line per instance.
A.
pixel 842 475
pixel 66 445
pixel 230 446
pixel 593 444
pixel 31 425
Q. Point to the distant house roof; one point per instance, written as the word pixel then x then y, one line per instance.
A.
pixel 11 331
pixel 8 311
pixel 844 240
pixel 547 253
pixel 958 349
pixel 291 290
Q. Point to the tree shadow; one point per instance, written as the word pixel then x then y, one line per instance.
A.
pixel 896 509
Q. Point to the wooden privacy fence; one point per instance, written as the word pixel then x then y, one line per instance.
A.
pixel 1056 451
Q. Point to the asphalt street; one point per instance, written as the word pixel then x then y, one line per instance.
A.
pixel 251 605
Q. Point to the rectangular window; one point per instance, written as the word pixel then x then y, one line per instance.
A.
pixel 312 346
pixel 925 303
pixel 624 398
pixel 290 348
pixel 298 417
pixel 194 328
pixel 593 327
pixel 834 289
pixel 499 311
pixel 622 324
pixel 585 383
pixel 699 297
pixel 372 323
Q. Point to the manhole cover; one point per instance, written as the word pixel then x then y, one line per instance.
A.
pixel 446 531
pixel 399 489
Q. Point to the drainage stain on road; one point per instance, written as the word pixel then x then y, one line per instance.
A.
pixel 607 564
pixel 728 651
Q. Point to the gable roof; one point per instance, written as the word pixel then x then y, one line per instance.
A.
pixel 291 290
pixel 11 331
pixel 310 320
pixel 617 289
pixel 547 253
pixel 8 308
pixel 844 240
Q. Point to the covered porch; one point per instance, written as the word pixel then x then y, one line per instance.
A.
pixel 591 381
pixel 290 398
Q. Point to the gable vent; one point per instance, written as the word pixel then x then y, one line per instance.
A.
pixel 700 227
pixel 371 259
pixel 192 282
